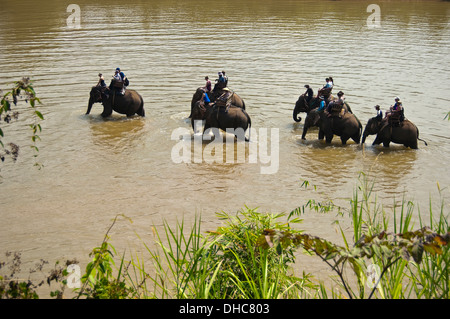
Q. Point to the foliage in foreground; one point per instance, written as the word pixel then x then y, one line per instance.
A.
pixel 252 256
pixel 22 89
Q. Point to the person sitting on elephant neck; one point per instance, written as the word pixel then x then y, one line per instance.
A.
pixel 101 81
pixel 207 87
pixel 309 93
pixel 119 82
pixel 379 116
pixel 205 100
pixel 322 104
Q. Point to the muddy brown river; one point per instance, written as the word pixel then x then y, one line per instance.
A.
pixel 95 168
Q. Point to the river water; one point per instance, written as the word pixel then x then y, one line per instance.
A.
pixel 94 169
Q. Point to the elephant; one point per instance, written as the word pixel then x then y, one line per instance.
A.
pixel 232 117
pixel 130 103
pixel 236 100
pixel 406 133
pixel 346 126
pixel 303 106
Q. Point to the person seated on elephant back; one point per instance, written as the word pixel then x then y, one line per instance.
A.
pixel 225 78
pixel 396 114
pixel 220 83
pixel 119 82
pixel 326 89
pixel 336 107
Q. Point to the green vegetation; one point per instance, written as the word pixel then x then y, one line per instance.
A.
pixel 253 256
pixel 22 90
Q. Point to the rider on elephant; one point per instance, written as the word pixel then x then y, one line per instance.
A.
pixel 101 81
pixel 336 107
pixel 119 82
pixel 221 82
pixel 379 116
pixel 207 87
pixel 326 89
pixel 309 93
pixel 322 104
pixel 396 114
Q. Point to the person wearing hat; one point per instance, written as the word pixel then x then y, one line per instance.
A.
pixel 379 116
pixel 120 77
pixel 396 109
pixel 322 104
pixel 341 98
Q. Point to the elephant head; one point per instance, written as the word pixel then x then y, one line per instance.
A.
pixel 302 105
pixel 373 126
pixel 312 119
pixel 95 96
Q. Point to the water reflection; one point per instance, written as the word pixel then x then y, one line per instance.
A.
pixel 117 133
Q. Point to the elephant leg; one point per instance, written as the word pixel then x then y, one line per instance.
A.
pixel 329 138
pixel 305 130
pixel 344 140
pixel 321 134
pixel 106 112
pixel 386 143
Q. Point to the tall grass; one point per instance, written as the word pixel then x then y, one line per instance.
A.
pixel 253 256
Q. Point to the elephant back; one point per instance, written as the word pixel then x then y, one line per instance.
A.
pixel 225 99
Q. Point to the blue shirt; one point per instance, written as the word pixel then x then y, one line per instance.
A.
pixel 322 105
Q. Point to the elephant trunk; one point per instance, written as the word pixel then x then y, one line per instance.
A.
pixel 91 102
pixel 295 113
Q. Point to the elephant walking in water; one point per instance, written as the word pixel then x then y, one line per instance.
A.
pixel 236 100
pixel 345 126
pixel 129 104
pixel 406 133
pixel 232 117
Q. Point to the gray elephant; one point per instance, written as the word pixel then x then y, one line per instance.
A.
pixel 405 133
pixel 345 125
pixel 231 117
pixel 129 104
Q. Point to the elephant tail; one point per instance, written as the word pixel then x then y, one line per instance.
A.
pixel 420 138
pixel 141 110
